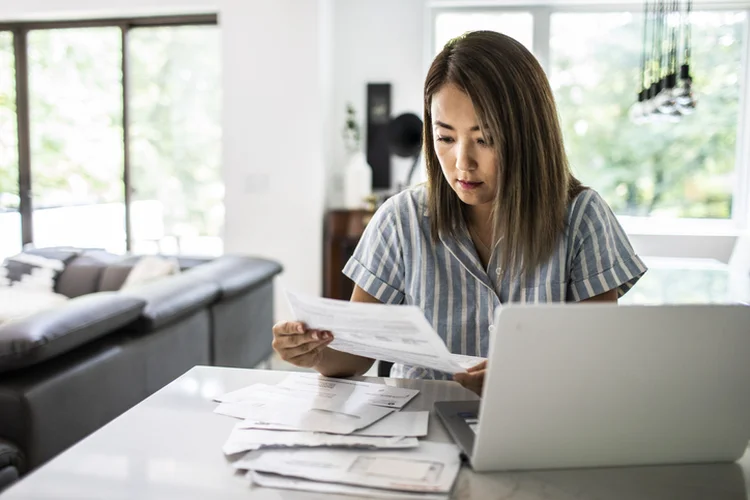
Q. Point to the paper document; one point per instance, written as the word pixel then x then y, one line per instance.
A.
pixel 309 386
pixel 292 483
pixel 401 423
pixel 432 467
pixel 314 415
pixel 265 392
pixel 467 362
pixel 400 334
pixel 244 440
pixel 341 389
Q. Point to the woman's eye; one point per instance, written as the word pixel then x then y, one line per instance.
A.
pixel 482 142
pixel 444 139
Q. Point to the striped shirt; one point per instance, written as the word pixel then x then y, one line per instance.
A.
pixel 397 263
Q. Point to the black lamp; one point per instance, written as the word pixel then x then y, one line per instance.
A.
pixel 405 139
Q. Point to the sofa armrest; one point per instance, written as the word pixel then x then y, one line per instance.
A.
pixel 171 298
pixel 236 274
pixel 52 332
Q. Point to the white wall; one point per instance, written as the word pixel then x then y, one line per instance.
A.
pixel 273 135
pixel 375 41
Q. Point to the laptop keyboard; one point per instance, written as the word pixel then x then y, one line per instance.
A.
pixel 471 420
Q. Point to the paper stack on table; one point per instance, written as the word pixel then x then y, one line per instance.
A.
pixel 358 441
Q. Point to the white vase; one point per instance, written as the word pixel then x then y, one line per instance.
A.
pixel 357 181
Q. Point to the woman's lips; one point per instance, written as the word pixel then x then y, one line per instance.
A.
pixel 468 185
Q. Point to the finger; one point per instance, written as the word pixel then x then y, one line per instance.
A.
pixel 304 349
pixel 291 341
pixel 309 358
pixel 289 328
pixel 480 366
pixel 471 381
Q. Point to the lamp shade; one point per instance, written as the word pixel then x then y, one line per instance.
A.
pixel 405 135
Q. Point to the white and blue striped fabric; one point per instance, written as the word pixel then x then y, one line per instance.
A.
pixel 397 263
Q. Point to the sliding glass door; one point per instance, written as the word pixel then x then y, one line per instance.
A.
pixel 110 135
pixel 75 102
pixel 10 216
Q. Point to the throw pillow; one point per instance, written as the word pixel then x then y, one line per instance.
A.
pixel 31 271
pixel 150 268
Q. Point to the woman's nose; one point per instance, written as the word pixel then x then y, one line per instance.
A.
pixel 464 159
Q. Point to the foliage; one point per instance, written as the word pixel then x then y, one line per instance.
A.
pixel 176 125
pixel 664 169
pixel 351 132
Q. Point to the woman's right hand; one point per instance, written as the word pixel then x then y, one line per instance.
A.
pixel 298 345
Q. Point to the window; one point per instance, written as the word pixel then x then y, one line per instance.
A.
pixel 656 171
pixel 122 122
pixel 75 103
pixel 175 139
pixel 10 218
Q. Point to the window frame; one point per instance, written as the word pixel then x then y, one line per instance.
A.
pixel 542 12
pixel 20 32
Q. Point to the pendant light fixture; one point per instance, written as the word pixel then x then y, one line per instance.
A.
pixel 664 95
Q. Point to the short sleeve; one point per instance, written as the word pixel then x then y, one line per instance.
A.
pixel 602 256
pixel 377 264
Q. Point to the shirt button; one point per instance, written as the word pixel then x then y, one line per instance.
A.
pixel 499 270
pixel 492 328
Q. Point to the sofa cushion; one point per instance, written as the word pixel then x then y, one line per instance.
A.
pixel 82 274
pixel 237 274
pixel 56 331
pixel 150 268
pixel 113 277
pixel 171 298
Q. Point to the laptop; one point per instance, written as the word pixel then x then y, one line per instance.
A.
pixel 594 385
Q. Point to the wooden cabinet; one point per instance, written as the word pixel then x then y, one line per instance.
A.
pixel 342 230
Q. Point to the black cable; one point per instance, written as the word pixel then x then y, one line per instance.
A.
pixel 643 52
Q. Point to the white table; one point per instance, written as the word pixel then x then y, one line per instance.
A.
pixel 169 447
pixel 689 281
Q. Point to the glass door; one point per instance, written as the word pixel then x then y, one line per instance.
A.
pixel 10 217
pixel 76 134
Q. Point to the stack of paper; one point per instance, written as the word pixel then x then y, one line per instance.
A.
pixel 428 468
pixel 358 440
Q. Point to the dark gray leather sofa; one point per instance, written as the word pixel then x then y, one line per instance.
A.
pixel 67 371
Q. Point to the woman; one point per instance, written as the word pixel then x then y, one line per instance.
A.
pixel 501 218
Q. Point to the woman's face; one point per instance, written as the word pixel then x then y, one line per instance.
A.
pixel 467 158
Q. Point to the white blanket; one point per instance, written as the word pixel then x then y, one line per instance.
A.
pixel 18 302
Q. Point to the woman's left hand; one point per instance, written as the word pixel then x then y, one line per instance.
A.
pixel 473 378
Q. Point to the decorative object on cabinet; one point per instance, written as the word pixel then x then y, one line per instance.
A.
pixel 357 173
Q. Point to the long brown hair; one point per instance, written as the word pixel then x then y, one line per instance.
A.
pixel 516 109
